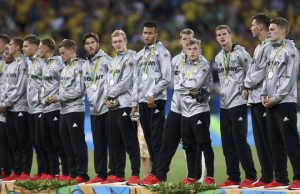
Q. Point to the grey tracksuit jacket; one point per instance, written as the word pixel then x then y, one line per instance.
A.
pixel 193 76
pixel 34 84
pixel 155 62
pixel 71 87
pixel 51 79
pixel 237 69
pixel 121 72
pixel 3 67
pixel 14 93
pixel 178 63
pixel 282 87
pixel 95 72
pixel 256 73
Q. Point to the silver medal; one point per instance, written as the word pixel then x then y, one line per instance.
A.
pixel 226 81
pixel 145 76
pixel 112 82
pixel 93 87
pixel 270 75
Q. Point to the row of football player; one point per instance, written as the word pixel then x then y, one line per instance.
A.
pixel 136 82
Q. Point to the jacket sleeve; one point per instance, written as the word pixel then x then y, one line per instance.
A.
pixel 14 92
pixel 289 78
pixel 77 88
pixel 178 85
pixel 107 64
pixel 86 75
pixel 42 64
pixel 245 60
pixel 3 79
pixel 125 81
pixel 136 72
pixel 256 76
pixel 173 64
pixel 264 88
pixel 164 60
pixel 59 66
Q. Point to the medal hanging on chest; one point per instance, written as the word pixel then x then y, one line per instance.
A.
pixel 226 81
pixel 145 76
pixel 146 64
pixel 29 87
pixel 270 75
pixel 115 69
pixel 112 82
pixel 271 70
pixel 93 87
pixel 226 68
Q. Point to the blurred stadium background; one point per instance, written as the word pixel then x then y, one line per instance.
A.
pixel 62 19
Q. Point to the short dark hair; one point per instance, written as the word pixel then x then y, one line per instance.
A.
pixel 32 39
pixel 49 42
pixel 150 24
pixel 68 44
pixel 5 38
pixel 263 19
pixel 90 35
pixel 18 41
pixel 186 31
pixel 283 23
pixel 222 27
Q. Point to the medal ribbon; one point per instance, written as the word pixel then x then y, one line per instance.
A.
pixel 32 69
pixel 181 63
pixel 95 70
pixel 14 64
pixel 115 66
pixel 191 71
pixel 2 65
pixel 64 76
pixel 275 57
pixel 226 64
pixel 47 68
pixel 148 60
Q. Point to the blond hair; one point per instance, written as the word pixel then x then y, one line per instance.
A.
pixel 117 33
pixel 193 41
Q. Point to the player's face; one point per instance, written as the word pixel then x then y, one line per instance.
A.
pixel 223 37
pixel 43 49
pixel 119 43
pixel 29 49
pixel 66 54
pixel 91 46
pixel 275 32
pixel 193 52
pixel 184 39
pixel 255 28
pixel 8 58
pixel 12 48
pixel 2 46
pixel 6 53
pixel 149 35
